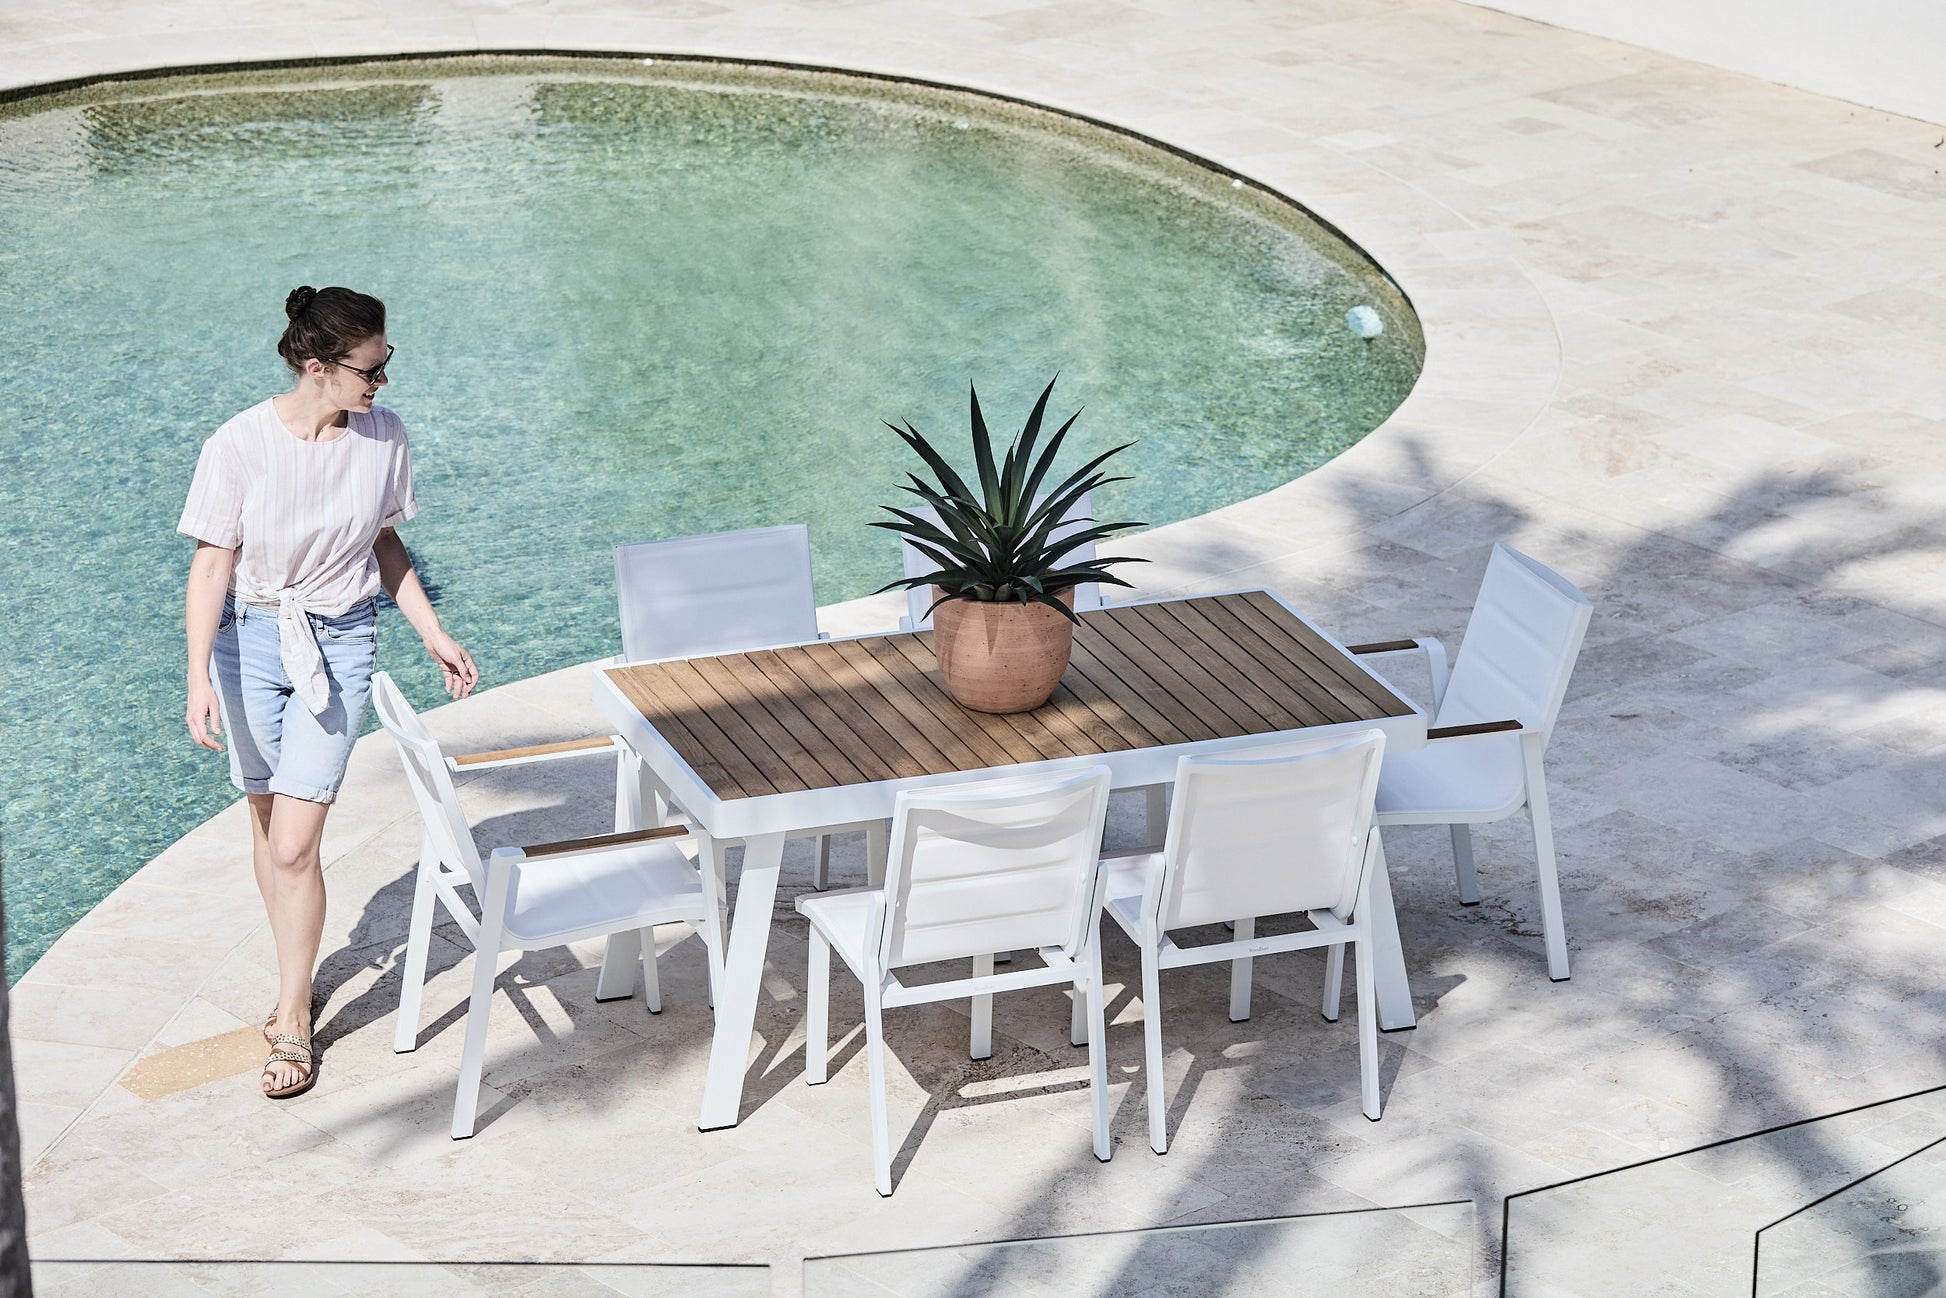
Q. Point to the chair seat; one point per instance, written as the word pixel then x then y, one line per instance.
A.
pixel 1474 778
pixel 626 887
pixel 842 916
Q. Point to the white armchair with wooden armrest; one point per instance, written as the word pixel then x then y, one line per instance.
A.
pixel 532 898
pixel 1493 714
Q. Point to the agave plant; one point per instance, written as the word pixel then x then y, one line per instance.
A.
pixel 999 544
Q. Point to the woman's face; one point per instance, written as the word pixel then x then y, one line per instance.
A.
pixel 355 378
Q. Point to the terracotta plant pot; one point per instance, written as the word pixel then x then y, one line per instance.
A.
pixel 1001 657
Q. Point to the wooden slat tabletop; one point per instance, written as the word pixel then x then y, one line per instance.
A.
pixel 843 712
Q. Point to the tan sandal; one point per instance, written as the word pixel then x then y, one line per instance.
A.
pixel 305 1061
pixel 270 1028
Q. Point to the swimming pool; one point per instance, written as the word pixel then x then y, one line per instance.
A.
pixel 630 301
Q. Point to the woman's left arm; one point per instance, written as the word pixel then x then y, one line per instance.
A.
pixel 402 584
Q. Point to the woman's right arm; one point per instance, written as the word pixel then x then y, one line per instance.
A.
pixel 209 581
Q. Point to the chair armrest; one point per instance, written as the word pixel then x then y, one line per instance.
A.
pixel 1473 728
pixel 1435 653
pixel 599 842
pixel 533 753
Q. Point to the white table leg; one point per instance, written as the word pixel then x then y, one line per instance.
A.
pixel 619 962
pixel 638 804
pixel 736 999
pixel 1388 957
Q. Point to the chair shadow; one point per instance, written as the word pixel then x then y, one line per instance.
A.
pixel 1135 1102
pixel 377 942
pixel 934 1106
pixel 365 950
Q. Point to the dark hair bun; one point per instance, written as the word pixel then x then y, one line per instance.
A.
pixel 326 324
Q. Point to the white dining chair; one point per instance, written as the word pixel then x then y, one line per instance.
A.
pixel 918 600
pixel 1274 829
pixel 724 592
pixel 721 593
pixel 531 898
pixel 1492 717
pixel 974 869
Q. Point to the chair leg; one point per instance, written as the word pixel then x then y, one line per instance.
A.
pixel 981 1044
pixel 821 872
pixel 472 1056
pixel 651 978
pixel 425 897
pixel 875 1067
pixel 1152 1050
pixel 1469 881
pixel 1334 980
pixel 1240 973
pixel 1097 1051
pixel 817 1011
pixel 1367 1029
pixel 1552 923
pixel 628 790
pixel 1078 1020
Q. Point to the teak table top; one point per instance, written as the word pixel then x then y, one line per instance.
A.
pixel 841 712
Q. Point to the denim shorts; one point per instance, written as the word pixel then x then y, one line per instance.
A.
pixel 276 744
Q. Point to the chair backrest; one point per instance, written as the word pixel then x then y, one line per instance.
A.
pixel 997 865
pixel 720 593
pixel 431 783
pixel 1269 830
pixel 1520 645
pixel 917 600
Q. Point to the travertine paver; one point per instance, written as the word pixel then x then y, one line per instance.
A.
pixel 1684 342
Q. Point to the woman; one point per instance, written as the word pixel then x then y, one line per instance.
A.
pixel 292 509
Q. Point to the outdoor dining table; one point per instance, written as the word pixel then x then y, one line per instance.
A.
pixel 788 742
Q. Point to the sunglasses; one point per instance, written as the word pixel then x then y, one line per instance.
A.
pixel 373 374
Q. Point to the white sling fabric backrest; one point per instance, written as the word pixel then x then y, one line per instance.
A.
pixel 1519 648
pixel 722 593
pixel 426 774
pixel 1078 518
pixel 1000 865
pixel 1275 829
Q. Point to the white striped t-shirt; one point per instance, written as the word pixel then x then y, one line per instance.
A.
pixel 302 516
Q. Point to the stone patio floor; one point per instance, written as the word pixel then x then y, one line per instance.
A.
pixel 1685 338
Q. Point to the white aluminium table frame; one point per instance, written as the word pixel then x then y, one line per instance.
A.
pixel 763 823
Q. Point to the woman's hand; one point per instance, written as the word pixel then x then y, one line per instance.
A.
pixel 204 715
pixel 402 584
pixel 454 662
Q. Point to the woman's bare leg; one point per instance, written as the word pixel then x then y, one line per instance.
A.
pixel 292 875
pixel 260 804
pixel 260 862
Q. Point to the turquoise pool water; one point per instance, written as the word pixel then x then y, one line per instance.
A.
pixel 629 301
